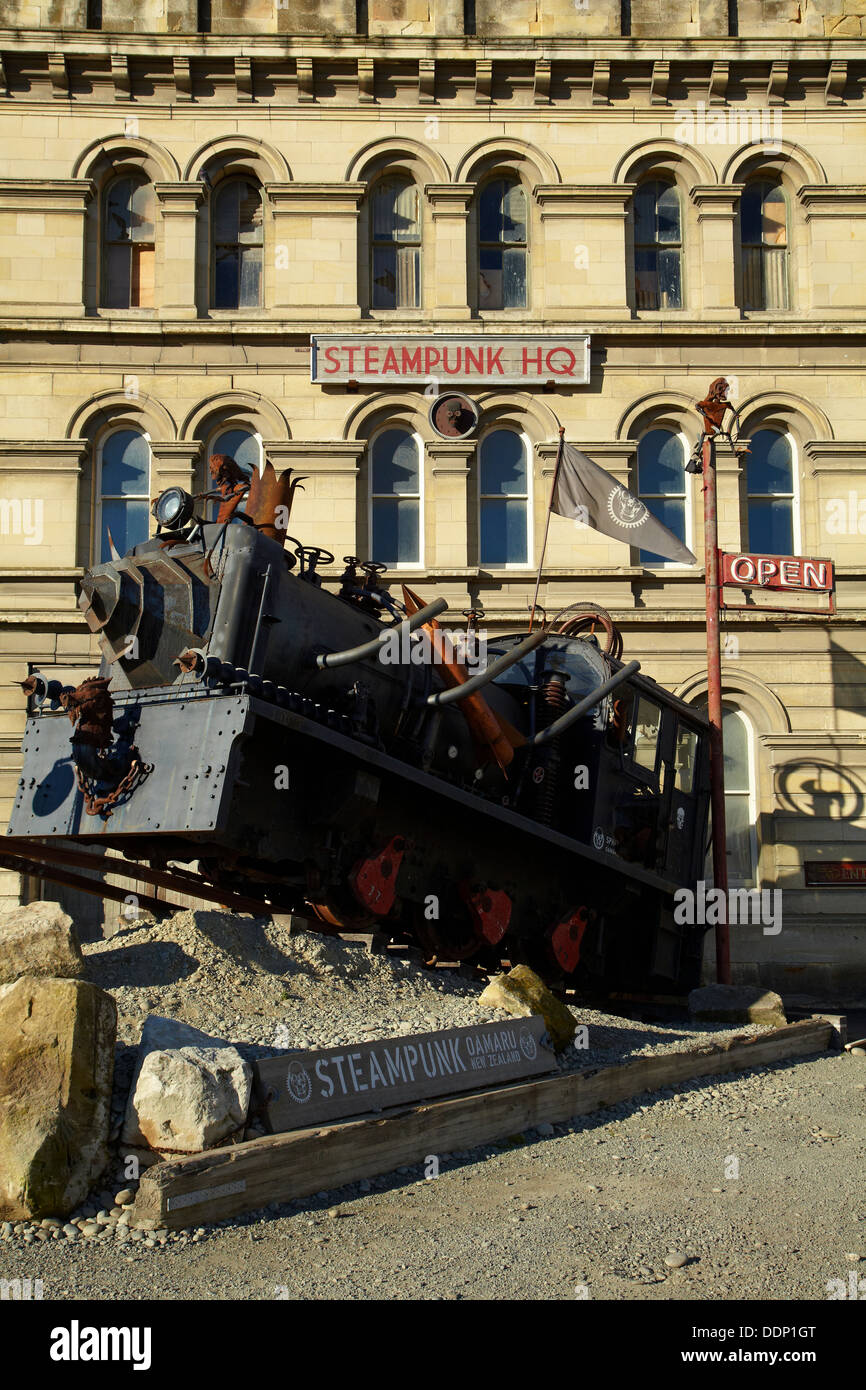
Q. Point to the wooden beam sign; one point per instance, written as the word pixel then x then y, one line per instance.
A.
pixel 306 1088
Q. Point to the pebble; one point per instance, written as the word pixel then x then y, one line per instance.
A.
pixel 124 1198
pixel 676 1260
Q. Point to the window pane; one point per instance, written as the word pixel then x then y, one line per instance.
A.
pixel 503 464
pixel 686 757
pixel 503 532
pixel 249 214
pixel 490 280
pixel 395 463
pixel 738 835
pixel 775 267
pixel 751 212
pixel 769 465
pixel 143 214
pixel 125 464
pixel 118 210
pixel 490 211
pixel 672 514
pixel 669 290
pixel 384 277
pixel 774 218
pixel 646 733
pixel 226 264
pixel 408 277
pixel 396 211
pixel 660 463
pixel 128 523
pixel 668 213
pixel 143 270
pixel 240 445
pixel 251 277
pixel 225 213
pixel 513 213
pixel 514 279
pixel 646 279
pixel 736 741
pixel 395 531
pixel 645 214
pixel 118 276
pixel 753 278
pixel 771 527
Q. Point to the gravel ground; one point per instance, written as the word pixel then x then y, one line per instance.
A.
pixel 744 1186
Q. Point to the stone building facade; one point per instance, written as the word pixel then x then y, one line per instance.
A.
pixel 189 191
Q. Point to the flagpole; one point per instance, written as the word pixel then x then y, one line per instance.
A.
pixel 547 523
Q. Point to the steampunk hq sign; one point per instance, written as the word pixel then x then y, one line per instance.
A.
pixel 307 1088
pixel 469 358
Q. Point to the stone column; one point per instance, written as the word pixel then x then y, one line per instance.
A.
pixel 583 256
pixel 313 250
pixel 179 203
pixel 174 465
pixel 446 513
pixel 328 511
pixel 717 207
pixel 42 242
pixel 448 284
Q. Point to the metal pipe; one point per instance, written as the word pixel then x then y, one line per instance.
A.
pixel 714 707
pixel 566 720
pixel 459 692
pixel 327 660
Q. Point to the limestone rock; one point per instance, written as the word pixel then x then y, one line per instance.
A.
pixel 160 1034
pixel 737 1004
pixel 188 1099
pixel 38 939
pixel 522 993
pixel 56 1066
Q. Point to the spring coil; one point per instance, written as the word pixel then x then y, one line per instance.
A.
pixel 552 702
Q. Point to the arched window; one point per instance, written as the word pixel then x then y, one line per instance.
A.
pixel 123 500
pixel 503 504
pixel 770 493
pixel 395 269
pixel 502 245
pixel 661 482
pixel 395 498
pixel 238 218
pixel 740 808
pixel 128 240
pixel 764 233
pixel 242 445
pixel 658 246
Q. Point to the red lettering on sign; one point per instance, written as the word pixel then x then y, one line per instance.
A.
pixel 371 360
pixel 494 360
pixel 474 359
pixel 452 371
pixel 432 358
pixel 352 352
pixel 561 371
pixel 332 355
pixel 390 364
pixel 411 360
pixel 743 568
pixel 814 574
pixel 536 359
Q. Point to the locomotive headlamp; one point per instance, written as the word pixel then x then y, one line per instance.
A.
pixel 173 508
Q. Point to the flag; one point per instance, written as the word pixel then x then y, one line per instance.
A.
pixel 589 494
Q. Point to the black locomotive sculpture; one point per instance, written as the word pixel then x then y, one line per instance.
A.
pixel 332 753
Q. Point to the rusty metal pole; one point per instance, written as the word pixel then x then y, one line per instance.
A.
pixel 714 695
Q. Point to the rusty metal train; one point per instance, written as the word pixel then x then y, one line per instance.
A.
pixel 268 743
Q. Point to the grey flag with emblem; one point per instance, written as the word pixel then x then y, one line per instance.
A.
pixel 591 495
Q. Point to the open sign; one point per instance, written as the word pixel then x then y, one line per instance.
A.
pixel 777 572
